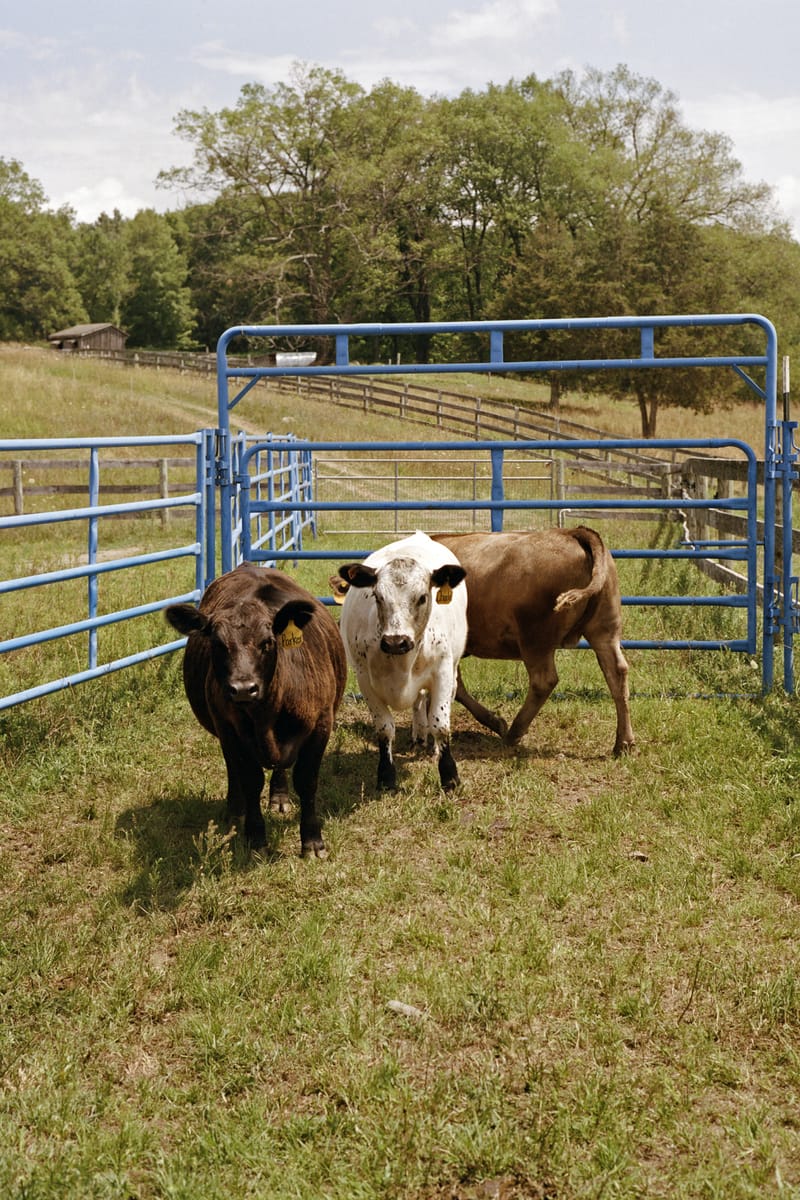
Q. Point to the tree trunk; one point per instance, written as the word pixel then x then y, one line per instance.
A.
pixel 648 411
pixel 555 392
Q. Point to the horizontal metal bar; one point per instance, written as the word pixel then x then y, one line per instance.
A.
pixel 118 664
pixel 59 631
pixel 382 329
pixel 519 444
pixel 74 443
pixel 728 601
pixel 503 365
pixel 117 564
pixel 268 506
pixel 740 644
pixel 100 510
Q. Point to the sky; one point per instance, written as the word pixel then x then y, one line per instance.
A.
pixel 89 91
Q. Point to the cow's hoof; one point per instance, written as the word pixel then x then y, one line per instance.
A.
pixel 386 781
pixel 279 804
pixel 313 851
pixel 624 748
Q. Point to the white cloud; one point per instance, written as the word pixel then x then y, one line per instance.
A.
pixel 763 132
pixel 214 56
pixel 103 196
pixel 498 21
pixel 619 28
pixel 27 45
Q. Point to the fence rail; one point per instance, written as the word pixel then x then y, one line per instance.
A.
pixel 472 417
pixel 76 565
pixel 26 475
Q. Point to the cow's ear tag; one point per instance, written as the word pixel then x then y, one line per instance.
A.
pixel 292 637
pixel 339 588
pixel 444 594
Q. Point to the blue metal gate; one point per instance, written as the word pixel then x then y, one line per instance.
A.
pixel 779 605
pixel 92 565
pixel 266 499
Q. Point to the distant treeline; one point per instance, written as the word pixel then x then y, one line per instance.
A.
pixel 322 201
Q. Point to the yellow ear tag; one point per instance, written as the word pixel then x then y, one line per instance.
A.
pixel 339 588
pixel 292 637
pixel 444 594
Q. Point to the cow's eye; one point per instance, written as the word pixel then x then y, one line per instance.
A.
pixel 423 598
pixel 267 645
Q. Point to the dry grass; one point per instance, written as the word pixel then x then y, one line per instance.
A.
pixel 126 401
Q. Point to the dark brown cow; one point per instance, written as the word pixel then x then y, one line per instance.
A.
pixel 529 594
pixel 264 671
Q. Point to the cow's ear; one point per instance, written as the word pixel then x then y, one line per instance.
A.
pixel 186 618
pixel 299 611
pixel 339 588
pixel 357 575
pixel 450 574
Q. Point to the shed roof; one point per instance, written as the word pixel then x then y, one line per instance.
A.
pixel 83 330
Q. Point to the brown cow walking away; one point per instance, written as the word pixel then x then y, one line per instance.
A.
pixel 528 594
pixel 264 671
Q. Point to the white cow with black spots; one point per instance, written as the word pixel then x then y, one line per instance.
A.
pixel 404 626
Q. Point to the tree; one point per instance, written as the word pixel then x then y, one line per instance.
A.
pixel 661 208
pixel 39 293
pixel 157 309
pixel 278 149
pixel 103 267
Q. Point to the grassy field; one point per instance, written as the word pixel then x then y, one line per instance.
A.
pixel 577 977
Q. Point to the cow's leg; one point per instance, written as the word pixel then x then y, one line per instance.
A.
pixel 387 772
pixel 279 791
pixel 306 777
pixel 245 784
pixel 385 730
pixel 441 698
pixel 484 715
pixel 542 678
pixel 614 666
pixel 419 720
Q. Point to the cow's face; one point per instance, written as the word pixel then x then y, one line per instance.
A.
pixel 403 602
pixel 244 640
pixel 243 652
pixel 403 596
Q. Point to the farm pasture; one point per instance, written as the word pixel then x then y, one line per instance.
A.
pixel 573 977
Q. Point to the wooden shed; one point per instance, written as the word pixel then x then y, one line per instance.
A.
pixel 102 336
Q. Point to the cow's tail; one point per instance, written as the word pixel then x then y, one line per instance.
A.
pixel 594 546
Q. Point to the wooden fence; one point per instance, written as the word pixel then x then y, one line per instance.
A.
pixel 709 478
pixel 28 479
pixel 613 471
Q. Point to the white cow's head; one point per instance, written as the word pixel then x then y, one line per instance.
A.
pixel 402 589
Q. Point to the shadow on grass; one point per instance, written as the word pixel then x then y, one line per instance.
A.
pixel 181 836
pixel 776 719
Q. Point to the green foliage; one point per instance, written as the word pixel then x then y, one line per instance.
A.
pixel 572 978
pixel 39 292
pixel 157 310
pixel 104 267
pixel 322 201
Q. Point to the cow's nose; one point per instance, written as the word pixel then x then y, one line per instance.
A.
pixel 396 643
pixel 242 692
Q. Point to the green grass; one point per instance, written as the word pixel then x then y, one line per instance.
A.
pixel 597 957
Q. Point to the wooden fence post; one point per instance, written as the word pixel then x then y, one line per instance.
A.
pixel 163 483
pixel 18 493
